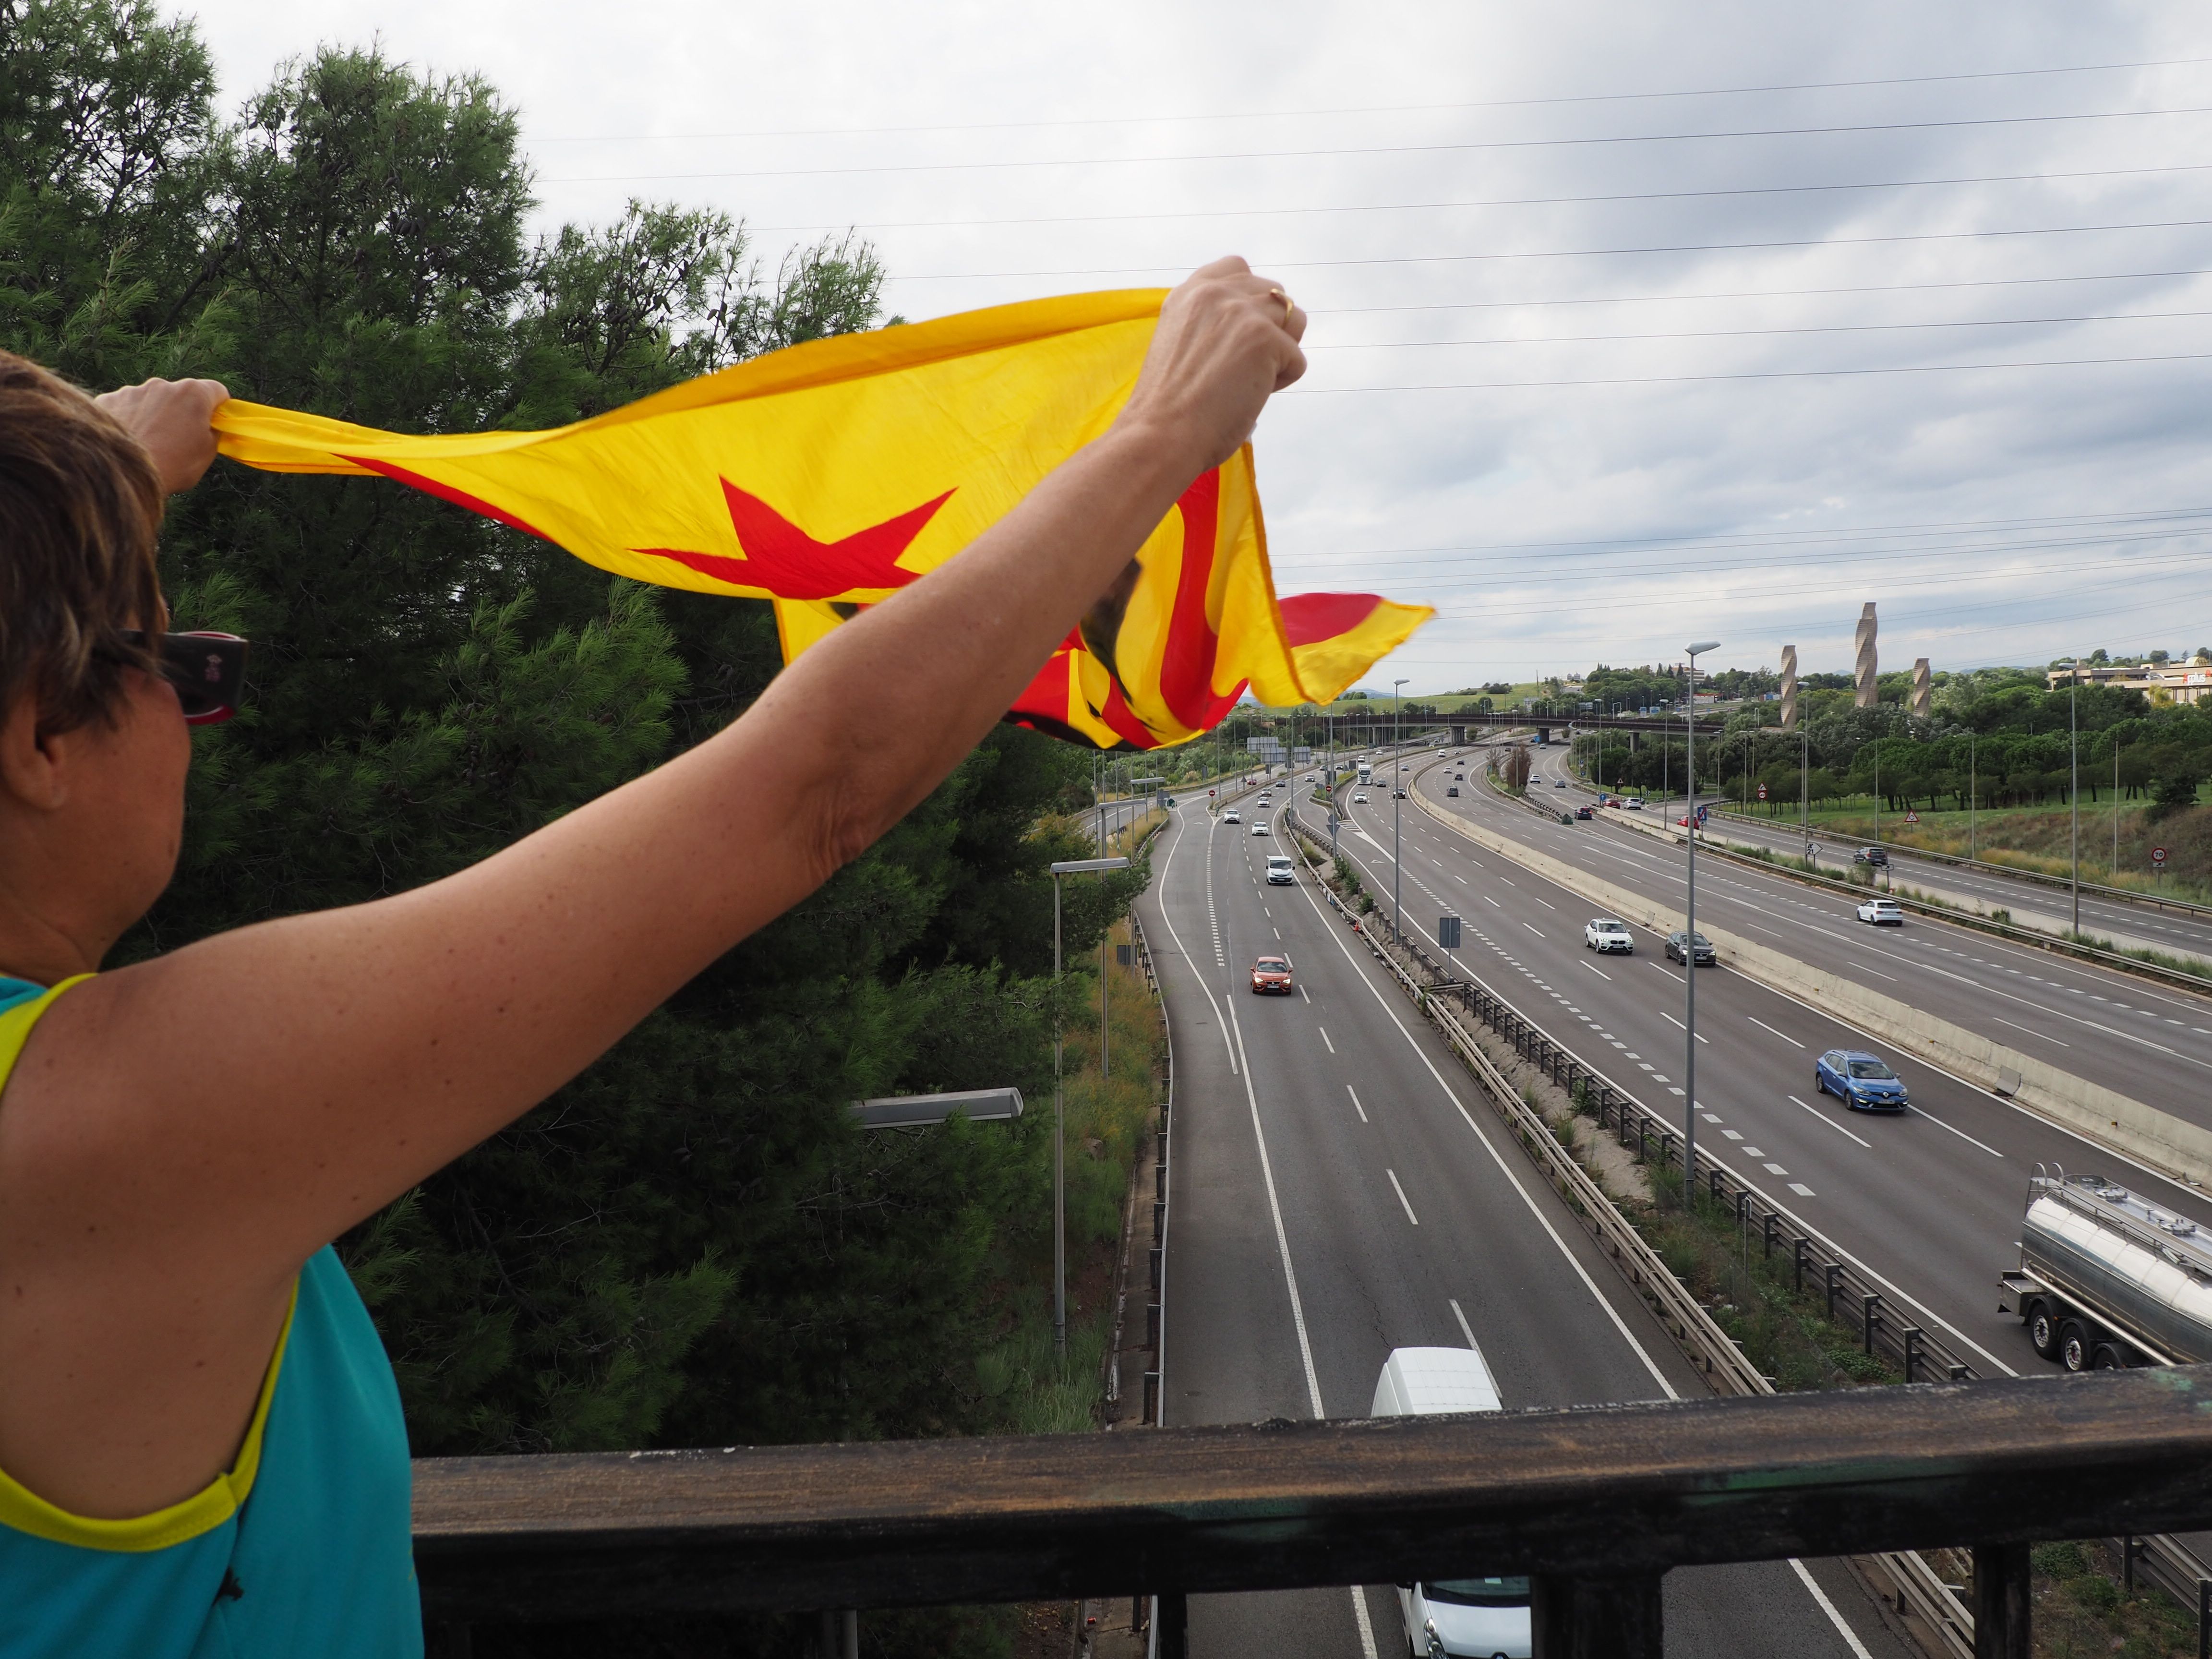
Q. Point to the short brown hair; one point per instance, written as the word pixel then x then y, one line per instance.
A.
pixel 80 509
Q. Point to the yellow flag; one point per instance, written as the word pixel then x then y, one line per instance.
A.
pixel 829 476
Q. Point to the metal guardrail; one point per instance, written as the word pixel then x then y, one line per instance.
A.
pixel 2039 877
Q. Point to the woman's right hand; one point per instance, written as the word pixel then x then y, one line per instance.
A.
pixel 1227 341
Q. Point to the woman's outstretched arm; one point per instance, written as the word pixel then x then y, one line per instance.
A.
pixel 181 1134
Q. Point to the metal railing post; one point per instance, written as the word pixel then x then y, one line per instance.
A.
pixel 1870 1311
pixel 2001 1601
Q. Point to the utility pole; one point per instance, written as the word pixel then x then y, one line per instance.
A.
pixel 1397 746
pixel 1690 950
pixel 1068 868
pixel 2073 760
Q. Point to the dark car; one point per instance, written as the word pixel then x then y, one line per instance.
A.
pixel 1584 812
pixel 1862 1082
pixel 1453 791
pixel 1272 974
pixel 1678 946
pixel 1874 855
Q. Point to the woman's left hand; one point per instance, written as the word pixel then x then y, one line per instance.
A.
pixel 170 419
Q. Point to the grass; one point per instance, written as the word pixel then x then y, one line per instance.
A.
pixel 2079 1609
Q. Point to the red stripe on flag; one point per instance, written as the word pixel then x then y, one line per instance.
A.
pixel 446 492
pixel 1310 616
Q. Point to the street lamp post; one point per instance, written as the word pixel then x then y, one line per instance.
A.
pixel 1397 771
pixel 2074 762
pixel 1690 948
pixel 1065 867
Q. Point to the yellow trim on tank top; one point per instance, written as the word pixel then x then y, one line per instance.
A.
pixel 25 1511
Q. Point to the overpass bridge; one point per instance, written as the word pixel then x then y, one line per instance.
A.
pixel 1378 725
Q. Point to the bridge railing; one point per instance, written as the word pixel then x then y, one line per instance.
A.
pixel 1597 1505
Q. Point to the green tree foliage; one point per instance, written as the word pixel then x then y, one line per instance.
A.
pixel 692 1243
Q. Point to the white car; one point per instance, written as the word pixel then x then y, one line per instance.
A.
pixel 1267 801
pixel 1232 815
pixel 1360 799
pixel 1882 913
pixel 1259 827
pixel 1633 805
pixel 1608 934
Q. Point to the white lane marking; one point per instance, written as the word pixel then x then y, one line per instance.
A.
pixel 1669 972
pixel 1850 1637
pixel 1282 1238
pixel 1166 865
pixel 1496 1158
pixel 1599 971
pixel 1306 994
pixel 1775 1168
pixel 1731 1133
pixel 1356 1106
pixel 2030 1030
pixel 1829 1121
pixel 1401 1191
pixel 1465 1329
pixel 1802 1189
pixel 1784 1035
pixel 1876 972
pixel 1679 1026
pixel 1492 902
pixel 1323 1030
pixel 1546 903
pixel 1961 1134
pixel 1532 928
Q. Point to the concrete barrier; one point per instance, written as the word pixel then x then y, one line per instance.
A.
pixel 2109 1119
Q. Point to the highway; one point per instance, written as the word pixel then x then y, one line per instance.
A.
pixel 1928 1202
pixel 1340 1188
pixel 2031 902
pixel 2144 1040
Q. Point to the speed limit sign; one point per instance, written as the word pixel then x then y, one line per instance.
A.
pixel 1762 791
pixel 2157 855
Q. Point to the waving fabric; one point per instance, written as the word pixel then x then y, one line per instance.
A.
pixel 827 477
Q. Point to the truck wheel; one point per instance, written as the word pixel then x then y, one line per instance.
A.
pixel 2043 1330
pixel 2074 1346
pixel 2107 1359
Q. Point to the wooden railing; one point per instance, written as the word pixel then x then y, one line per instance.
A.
pixel 1596 1504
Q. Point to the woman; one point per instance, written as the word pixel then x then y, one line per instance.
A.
pixel 200 1437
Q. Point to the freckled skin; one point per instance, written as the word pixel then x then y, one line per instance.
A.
pixel 160 1180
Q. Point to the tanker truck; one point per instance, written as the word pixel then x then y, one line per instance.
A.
pixel 2108 1279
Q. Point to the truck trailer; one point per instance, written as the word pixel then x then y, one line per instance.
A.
pixel 2108 1279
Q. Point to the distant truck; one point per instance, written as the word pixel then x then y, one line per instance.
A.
pixel 2108 1279
pixel 1367 771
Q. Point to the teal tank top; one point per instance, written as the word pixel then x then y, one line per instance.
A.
pixel 302 1548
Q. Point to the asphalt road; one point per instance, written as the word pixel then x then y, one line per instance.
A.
pixel 2145 1040
pixel 1341 1189
pixel 2101 918
pixel 1928 1202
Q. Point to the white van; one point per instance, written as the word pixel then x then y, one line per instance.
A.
pixel 1280 872
pixel 1475 1617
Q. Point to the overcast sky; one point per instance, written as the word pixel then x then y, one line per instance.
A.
pixel 1577 273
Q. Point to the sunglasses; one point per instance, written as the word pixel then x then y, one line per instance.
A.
pixel 208 669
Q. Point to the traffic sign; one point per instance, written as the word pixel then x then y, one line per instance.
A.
pixel 1762 791
pixel 2157 855
pixel 1912 818
pixel 1447 931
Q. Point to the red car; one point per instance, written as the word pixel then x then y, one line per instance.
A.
pixel 1271 973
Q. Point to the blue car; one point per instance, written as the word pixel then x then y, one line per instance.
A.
pixel 1860 1081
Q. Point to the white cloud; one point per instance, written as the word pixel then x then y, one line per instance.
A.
pixel 1592 521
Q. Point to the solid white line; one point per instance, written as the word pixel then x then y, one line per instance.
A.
pixel 1850 1637
pixel 1356 1106
pixel 1166 865
pixel 1466 1330
pixel 1282 1238
pixel 1323 1030
pixel 1961 1134
pixel 1829 1121
pixel 1401 1191
pixel 1505 1169
pixel 1784 1035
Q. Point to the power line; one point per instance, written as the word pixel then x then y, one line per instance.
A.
pixel 1368 109
pixel 1963 527
pixel 1745 333
pixel 1576 252
pixel 1759 293
pixel 1767 374
pixel 1032 163
pixel 1497 202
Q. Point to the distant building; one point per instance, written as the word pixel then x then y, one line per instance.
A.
pixel 2184 681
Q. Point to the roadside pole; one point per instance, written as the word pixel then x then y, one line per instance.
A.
pixel 1066 868
pixel 1690 947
